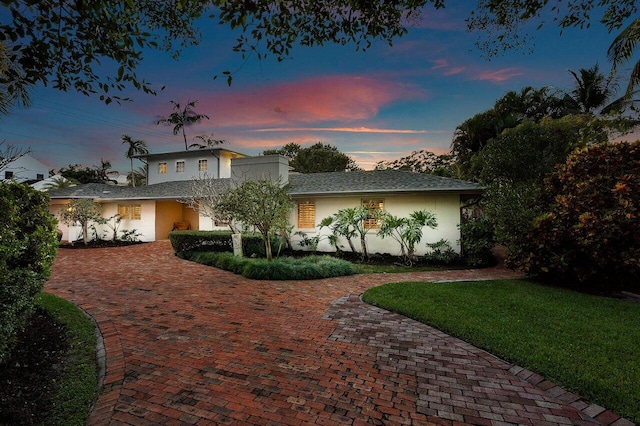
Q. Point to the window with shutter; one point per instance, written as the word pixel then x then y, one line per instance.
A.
pixel 306 214
pixel 375 207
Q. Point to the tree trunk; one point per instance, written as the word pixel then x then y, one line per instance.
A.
pixel 363 243
pixel 267 247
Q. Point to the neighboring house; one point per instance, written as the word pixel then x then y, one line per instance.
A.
pixel 153 210
pixel 25 169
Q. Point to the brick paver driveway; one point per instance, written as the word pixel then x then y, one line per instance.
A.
pixel 189 344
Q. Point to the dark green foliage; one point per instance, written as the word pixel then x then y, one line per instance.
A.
pixel 215 241
pixel 441 254
pixel 590 231
pixel 316 158
pixel 287 268
pixel 28 247
pixel 478 239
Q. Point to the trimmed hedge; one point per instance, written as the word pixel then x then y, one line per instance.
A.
pixel 285 268
pixel 215 241
pixel 28 246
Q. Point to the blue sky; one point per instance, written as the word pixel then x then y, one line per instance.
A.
pixel 380 104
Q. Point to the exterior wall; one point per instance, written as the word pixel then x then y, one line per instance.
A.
pixel 274 167
pixel 446 207
pixel 190 159
pixel 167 212
pixel 25 168
pixel 144 226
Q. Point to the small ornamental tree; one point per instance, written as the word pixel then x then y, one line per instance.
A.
pixel 262 204
pixel 28 244
pixel 589 233
pixel 81 212
pixel 407 231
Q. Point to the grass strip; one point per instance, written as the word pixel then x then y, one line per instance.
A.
pixel 587 344
pixel 76 389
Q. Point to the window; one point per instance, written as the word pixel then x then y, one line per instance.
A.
pixel 306 214
pixel 8 175
pixel 40 176
pixel 130 211
pixel 375 207
pixel 179 166
pixel 202 165
pixel 162 168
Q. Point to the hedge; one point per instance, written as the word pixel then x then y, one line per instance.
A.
pixel 215 241
pixel 28 245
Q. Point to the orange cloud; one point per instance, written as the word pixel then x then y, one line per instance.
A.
pixel 341 129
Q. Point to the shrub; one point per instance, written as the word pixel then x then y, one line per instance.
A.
pixel 28 247
pixel 286 268
pixel 588 235
pixel 478 239
pixel 215 241
pixel 441 254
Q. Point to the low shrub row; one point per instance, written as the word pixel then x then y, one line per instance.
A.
pixel 215 241
pixel 284 268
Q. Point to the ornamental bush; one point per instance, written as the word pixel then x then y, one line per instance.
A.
pixel 28 244
pixel 589 234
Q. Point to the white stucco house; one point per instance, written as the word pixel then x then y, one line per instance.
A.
pixel 155 209
pixel 25 169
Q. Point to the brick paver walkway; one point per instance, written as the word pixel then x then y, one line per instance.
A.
pixel 189 344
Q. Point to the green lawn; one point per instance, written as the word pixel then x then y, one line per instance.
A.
pixel 587 344
pixel 77 387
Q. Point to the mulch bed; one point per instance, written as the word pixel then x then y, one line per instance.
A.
pixel 28 378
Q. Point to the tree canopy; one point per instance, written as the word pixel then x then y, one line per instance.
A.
pixel 95 47
pixel 316 158
pixel 422 161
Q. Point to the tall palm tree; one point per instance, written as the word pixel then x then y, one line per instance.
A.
pixel 182 117
pixel 622 50
pixel 136 147
pixel 591 91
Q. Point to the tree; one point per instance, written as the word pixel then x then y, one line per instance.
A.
pixel 181 117
pixel 262 204
pixel 206 141
pixel 205 196
pixel 81 211
pixel 64 43
pixel 352 222
pixel 422 161
pixel 510 110
pixel 135 147
pixel 407 231
pixel 503 23
pixel 58 182
pixel 316 158
pixel 588 232
pixel 28 249
pixel 79 174
pixel 592 94
pixel 7 96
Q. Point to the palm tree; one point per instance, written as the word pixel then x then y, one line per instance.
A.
pixel 58 182
pixel 591 92
pixel 136 147
pixel 622 50
pixel 182 117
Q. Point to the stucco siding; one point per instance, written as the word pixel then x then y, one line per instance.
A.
pixel 446 208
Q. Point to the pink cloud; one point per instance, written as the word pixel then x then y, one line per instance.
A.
pixel 320 99
pixel 446 68
pixel 499 76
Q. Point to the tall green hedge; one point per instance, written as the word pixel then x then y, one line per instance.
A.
pixel 215 241
pixel 28 245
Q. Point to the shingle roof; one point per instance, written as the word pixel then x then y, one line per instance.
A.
pixel 378 181
pixel 359 182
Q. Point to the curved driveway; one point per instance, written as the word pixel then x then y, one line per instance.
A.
pixel 190 344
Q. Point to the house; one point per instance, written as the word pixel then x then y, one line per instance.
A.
pixel 154 210
pixel 25 169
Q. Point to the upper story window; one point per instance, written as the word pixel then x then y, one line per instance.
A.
pixel 375 207
pixel 8 175
pixel 202 165
pixel 306 214
pixel 40 176
pixel 162 168
pixel 179 166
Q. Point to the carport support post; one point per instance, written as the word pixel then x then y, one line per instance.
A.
pixel 236 240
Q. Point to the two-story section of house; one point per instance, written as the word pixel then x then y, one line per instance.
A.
pixel 187 165
pixel 25 168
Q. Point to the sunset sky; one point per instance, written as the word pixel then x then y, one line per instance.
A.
pixel 380 104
